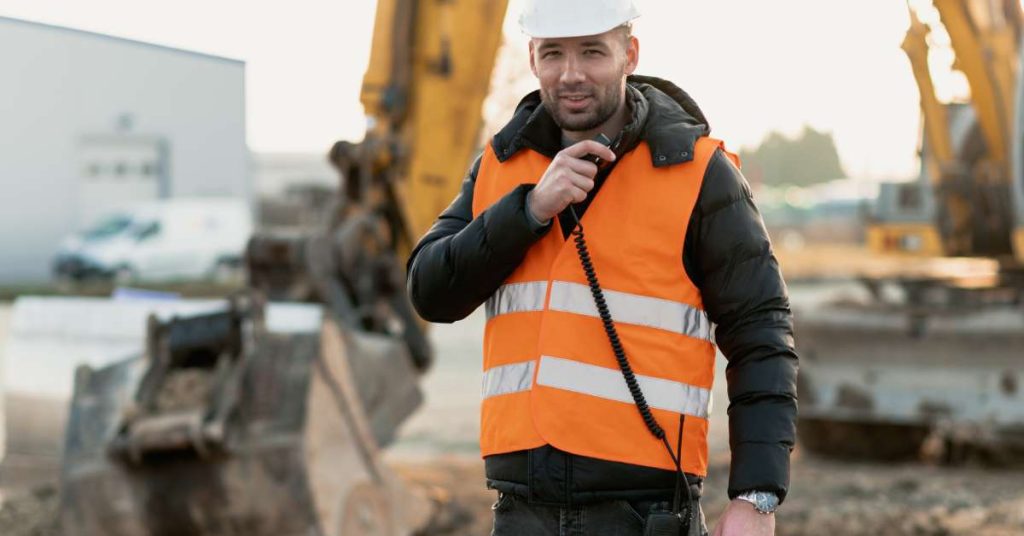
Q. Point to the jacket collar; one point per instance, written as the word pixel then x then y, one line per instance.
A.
pixel 662 114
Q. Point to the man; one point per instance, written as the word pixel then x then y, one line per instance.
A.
pixel 675 243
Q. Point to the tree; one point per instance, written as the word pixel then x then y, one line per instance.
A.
pixel 807 159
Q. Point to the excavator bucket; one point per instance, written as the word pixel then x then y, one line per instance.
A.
pixel 47 337
pixel 223 426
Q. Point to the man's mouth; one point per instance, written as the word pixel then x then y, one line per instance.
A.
pixel 575 102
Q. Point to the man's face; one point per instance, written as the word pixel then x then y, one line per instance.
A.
pixel 583 79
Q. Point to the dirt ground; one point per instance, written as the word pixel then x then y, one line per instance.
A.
pixel 828 498
pixel 436 451
pixel 34 514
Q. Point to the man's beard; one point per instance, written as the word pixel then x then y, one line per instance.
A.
pixel 607 103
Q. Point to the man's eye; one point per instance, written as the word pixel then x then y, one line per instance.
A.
pixel 593 52
pixel 551 54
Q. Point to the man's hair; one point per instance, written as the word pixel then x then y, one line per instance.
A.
pixel 626 30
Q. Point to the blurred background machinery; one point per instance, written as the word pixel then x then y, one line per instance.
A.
pixel 241 417
pixel 228 424
pixel 429 72
pixel 933 346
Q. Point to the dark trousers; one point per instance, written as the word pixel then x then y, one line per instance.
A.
pixel 514 516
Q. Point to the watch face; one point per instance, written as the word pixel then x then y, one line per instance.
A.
pixel 766 502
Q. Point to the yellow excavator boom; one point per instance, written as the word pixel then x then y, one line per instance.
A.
pixel 428 75
pixel 936 123
pixel 983 39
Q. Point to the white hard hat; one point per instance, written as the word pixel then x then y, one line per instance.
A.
pixel 574 18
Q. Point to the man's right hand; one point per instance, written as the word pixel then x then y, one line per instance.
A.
pixel 567 180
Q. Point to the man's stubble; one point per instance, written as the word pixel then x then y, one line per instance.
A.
pixel 607 100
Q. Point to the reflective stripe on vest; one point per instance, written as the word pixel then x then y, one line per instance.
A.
pixel 602 382
pixel 517 298
pixel 625 308
pixel 597 381
pixel 507 379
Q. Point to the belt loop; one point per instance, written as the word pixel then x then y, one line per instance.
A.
pixel 529 477
pixel 569 461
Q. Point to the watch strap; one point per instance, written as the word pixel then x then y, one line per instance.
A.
pixel 765 502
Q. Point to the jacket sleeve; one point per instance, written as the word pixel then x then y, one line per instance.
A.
pixel 744 294
pixel 462 260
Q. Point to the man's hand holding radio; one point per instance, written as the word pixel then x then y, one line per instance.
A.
pixel 567 180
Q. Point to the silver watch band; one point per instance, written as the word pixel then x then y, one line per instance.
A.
pixel 765 502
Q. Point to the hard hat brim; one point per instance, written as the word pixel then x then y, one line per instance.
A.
pixel 574 27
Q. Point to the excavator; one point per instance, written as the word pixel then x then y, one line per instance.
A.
pixel 926 358
pixel 266 413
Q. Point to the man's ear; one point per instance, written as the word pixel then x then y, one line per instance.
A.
pixel 632 55
pixel 533 64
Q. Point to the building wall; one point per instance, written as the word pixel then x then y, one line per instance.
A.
pixel 65 89
pixel 274 173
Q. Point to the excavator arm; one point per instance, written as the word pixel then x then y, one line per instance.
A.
pixel 936 124
pixel 423 91
pixel 985 37
pixel 429 72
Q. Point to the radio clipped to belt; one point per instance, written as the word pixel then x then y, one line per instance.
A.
pixel 658 523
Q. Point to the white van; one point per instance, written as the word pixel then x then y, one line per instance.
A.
pixel 174 239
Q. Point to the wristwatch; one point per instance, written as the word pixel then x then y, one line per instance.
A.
pixel 764 502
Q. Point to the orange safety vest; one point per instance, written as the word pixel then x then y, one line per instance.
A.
pixel 550 376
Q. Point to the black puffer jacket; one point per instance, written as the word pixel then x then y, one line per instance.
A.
pixel 461 261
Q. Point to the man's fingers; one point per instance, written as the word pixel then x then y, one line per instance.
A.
pixel 587 147
pixel 582 167
pixel 572 194
pixel 583 182
pixel 578 195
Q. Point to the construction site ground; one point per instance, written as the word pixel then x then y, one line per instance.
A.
pixel 437 452
pixel 828 497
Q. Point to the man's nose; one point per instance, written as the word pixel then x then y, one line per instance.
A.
pixel 572 73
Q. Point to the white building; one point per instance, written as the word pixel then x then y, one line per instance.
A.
pixel 90 123
pixel 274 173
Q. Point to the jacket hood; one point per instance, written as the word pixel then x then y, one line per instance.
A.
pixel 662 114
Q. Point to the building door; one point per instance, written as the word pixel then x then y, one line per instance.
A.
pixel 119 171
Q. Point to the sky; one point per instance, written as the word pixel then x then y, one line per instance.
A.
pixel 753 66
